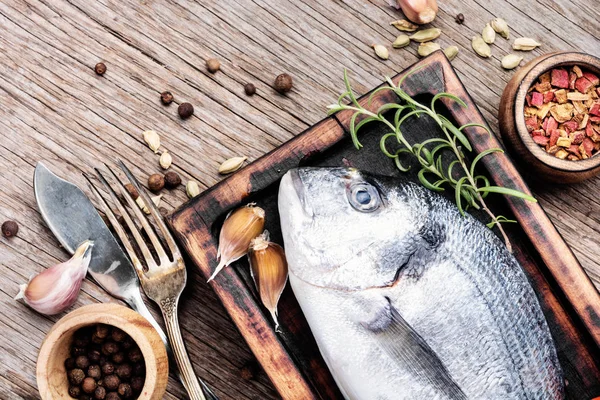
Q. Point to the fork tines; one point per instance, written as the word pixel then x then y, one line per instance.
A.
pixel 129 219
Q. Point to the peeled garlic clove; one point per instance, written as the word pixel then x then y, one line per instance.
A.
pixel 269 270
pixel 239 228
pixel 381 51
pixel 56 288
pixel 152 140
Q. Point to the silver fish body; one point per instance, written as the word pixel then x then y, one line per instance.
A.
pixel 406 298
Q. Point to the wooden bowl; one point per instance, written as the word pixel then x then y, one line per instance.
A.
pixel 535 161
pixel 51 373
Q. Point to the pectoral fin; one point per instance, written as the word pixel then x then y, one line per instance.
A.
pixel 402 343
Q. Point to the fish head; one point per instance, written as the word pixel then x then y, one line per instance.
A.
pixel 347 229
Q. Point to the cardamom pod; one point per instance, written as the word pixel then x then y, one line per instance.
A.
pixel 427 48
pixel 451 52
pixel 401 41
pixel 404 25
pixel 481 47
pixel 511 61
pixel 426 35
pixel 381 51
pixel 231 165
pixel 165 160
pixel 501 27
pixel 488 34
pixel 192 189
pixel 152 140
pixel 525 44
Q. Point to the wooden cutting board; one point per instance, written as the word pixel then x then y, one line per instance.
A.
pixel 291 358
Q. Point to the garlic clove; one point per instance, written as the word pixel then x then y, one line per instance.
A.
pixel 419 11
pixel 269 271
pixel 239 228
pixel 56 288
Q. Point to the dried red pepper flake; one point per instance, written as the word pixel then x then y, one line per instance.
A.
pixel 563 112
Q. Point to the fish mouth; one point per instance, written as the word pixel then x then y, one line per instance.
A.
pixel 293 191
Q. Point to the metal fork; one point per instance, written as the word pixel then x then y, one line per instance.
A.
pixel 162 282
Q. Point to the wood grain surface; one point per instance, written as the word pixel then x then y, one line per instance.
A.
pixel 55 108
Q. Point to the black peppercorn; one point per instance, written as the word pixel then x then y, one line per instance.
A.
pixel 118 358
pixel 109 348
pixel 102 330
pixel 283 83
pixel 125 391
pixel 76 376
pixel 81 340
pixel 138 369
pixel 166 98
pixel 108 368
pixel 94 356
pixel 111 382
pixel 94 371
pixel 123 371
pixel 89 385
pixel 95 338
pixel 82 362
pixel 78 351
pixel 85 397
pixel 156 182
pixel 460 18
pixel 74 391
pixel 135 355
pixel 100 68
pixel 137 384
pixel 250 89
pixel 100 393
pixel 112 396
pixel 118 335
pixel 69 363
pixel 213 65
pixel 172 180
pixel 128 342
pixel 185 110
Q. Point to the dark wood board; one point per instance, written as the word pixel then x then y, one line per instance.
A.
pixel 291 359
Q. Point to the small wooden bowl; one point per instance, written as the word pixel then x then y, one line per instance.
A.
pixel 535 161
pixel 51 373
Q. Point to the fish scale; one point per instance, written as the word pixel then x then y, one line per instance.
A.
pixel 408 299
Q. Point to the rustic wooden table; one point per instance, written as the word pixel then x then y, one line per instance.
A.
pixel 56 109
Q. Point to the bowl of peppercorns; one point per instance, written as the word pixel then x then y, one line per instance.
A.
pixel 103 352
pixel 549 117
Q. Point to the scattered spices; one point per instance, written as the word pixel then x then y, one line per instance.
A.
pixel 283 83
pixel 501 27
pixel 105 381
pixel 100 68
pixel 426 48
pixel 132 192
pixel 269 271
pixel 165 160
pixel 525 44
pixel 152 140
pixel 239 228
pixel 231 165
pixel 460 18
pixel 381 51
pixel 404 25
pixel 249 89
pixel 451 52
pixel 488 34
pixel 213 65
pixel 55 289
pixel 562 113
pixel 10 229
pixel 156 182
pixel 401 41
pixel 172 180
pixel 426 35
pixel 192 189
pixel 481 47
pixel 166 97
pixel 185 110
pixel 511 61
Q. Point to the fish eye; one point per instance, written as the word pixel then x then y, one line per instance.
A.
pixel 364 197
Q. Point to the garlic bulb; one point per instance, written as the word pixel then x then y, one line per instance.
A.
pixel 56 288
pixel 269 270
pixel 239 228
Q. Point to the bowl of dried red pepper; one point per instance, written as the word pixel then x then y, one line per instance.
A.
pixel 549 117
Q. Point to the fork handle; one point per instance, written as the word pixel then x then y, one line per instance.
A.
pixel 168 307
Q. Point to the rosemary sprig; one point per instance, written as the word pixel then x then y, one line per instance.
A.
pixel 470 189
